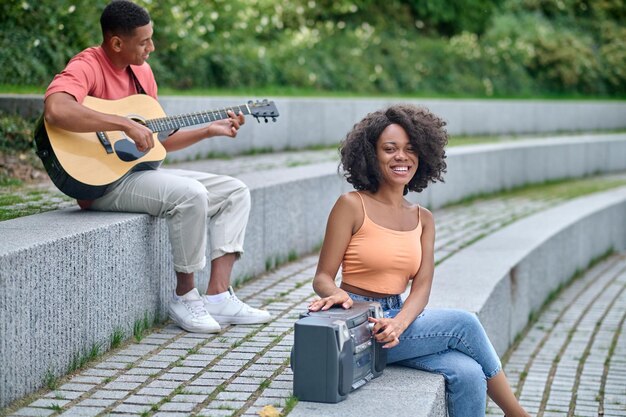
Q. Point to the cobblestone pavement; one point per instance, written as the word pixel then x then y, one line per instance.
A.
pixel 572 360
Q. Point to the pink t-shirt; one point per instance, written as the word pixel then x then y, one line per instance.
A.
pixel 91 73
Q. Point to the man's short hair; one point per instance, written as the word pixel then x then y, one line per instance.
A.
pixel 122 17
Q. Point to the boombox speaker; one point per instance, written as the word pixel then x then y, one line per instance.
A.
pixel 335 353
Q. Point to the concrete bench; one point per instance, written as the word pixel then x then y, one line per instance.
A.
pixel 69 279
pixel 502 278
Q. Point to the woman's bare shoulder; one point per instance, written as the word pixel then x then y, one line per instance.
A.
pixel 426 217
pixel 348 211
pixel 350 200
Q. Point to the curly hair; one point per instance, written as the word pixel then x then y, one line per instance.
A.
pixel 427 135
pixel 122 17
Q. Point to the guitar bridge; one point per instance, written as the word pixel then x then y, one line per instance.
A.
pixel 102 137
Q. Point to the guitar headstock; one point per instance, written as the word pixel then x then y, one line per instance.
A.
pixel 263 109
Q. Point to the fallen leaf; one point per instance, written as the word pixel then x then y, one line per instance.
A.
pixel 269 411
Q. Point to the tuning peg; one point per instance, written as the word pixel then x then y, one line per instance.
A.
pixel 265 118
pixel 273 119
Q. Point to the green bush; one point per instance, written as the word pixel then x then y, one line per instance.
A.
pixel 612 60
pixel 467 47
pixel 577 45
pixel 16 133
pixel 453 17
pixel 37 37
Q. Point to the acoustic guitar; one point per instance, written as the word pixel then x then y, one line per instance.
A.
pixel 82 165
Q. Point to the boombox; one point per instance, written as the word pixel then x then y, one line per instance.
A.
pixel 335 353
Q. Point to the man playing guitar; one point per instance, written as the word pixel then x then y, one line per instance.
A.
pixel 190 201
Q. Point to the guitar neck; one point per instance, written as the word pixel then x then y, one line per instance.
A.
pixel 165 124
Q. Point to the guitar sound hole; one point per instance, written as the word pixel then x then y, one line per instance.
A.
pixel 127 151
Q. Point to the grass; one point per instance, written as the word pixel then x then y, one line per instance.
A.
pixel 94 352
pixel 462 140
pixel 50 381
pixel 265 384
pixel 194 349
pixel 10 199
pixel 220 388
pixel 563 189
pixel 272 263
pixel 18 201
pixel 6 181
pixel 21 89
pixel 288 91
pixel 55 407
pixel 117 338
pixel 290 403
pixel 80 360
pixel 141 327
pixel 241 280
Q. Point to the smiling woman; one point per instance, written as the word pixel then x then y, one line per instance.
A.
pixel 383 242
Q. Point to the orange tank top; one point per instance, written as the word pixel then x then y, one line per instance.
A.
pixel 382 260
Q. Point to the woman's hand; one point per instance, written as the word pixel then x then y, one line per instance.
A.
pixel 339 298
pixel 387 331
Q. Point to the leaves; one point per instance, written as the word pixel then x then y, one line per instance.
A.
pixel 269 411
pixel 476 47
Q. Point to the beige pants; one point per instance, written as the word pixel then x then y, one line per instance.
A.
pixel 190 201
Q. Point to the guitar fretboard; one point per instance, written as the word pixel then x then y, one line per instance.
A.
pixel 165 124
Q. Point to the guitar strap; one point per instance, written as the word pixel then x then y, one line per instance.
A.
pixel 138 86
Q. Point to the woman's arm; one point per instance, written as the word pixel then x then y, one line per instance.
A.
pixel 342 223
pixel 389 330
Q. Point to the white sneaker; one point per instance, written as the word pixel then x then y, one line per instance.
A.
pixel 188 312
pixel 232 310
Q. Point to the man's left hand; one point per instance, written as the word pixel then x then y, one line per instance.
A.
pixel 228 127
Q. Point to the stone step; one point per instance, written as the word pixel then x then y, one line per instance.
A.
pixel 70 278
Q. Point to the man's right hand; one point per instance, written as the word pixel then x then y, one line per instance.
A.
pixel 141 135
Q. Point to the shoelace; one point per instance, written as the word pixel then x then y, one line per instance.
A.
pixel 235 299
pixel 195 307
pixel 243 305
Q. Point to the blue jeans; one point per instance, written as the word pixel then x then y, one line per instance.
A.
pixel 449 342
